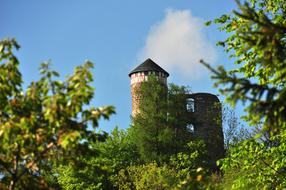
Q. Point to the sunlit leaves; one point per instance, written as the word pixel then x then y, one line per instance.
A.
pixel 263 168
pixel 47 120
pixel 257 44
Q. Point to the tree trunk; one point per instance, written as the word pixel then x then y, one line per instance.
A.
pixel 12 184
pixel 13 181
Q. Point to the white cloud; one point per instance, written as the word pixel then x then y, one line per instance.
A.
pixel 177 43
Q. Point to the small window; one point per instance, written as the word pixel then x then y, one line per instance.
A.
pixel 191 128
pixel 190 105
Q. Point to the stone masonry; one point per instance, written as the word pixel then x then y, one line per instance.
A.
pixel 204 108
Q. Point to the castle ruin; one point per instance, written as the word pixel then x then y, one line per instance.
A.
pixel 204 109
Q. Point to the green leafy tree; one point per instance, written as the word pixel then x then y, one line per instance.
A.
pixel 150 131
pixel 87 172
pixel 45 123
pixel 256 42
pixel 148 176
pixel 253 165
pixel 118 151
pixel 191 166
pixel 234 131
pixel 178 117
pixel 160 128
pixel 185 170
pixel 99 167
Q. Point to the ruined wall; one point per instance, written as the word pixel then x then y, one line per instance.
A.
pixel 207 120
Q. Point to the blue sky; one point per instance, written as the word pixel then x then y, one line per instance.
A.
pixel 116 36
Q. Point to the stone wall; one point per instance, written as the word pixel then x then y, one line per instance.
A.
pixel 137 79
pixel 207 121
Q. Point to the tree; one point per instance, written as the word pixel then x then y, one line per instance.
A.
pixel 185 170
pixel 149 128
pixel 98 167
pixel 234 131
pixel 118 151
pixel 160 127
pixel 45 123
pixel 179 117
pixel 147 176
pixel 257 43
pixel 187 164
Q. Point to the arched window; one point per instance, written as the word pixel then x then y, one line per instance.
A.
pixel 190 105
pixel 191 128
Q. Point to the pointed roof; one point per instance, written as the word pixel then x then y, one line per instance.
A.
pixel 148 65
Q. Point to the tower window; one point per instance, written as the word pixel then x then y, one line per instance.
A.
pixel 190 105
pixel 191 128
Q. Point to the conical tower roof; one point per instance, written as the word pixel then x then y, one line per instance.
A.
pixel 148 65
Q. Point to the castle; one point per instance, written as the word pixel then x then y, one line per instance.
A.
pixel 204 109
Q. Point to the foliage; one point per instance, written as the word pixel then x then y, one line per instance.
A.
pixel 184 171
pixel 160 128
pixel 152 176
pixel 46 122
pixel 256 42
pixel 188 162
pixel 149 176
pixel 86 174
pixel 117 153
pixel 85 170
pixel 234 131
pixel 178 117
pixel 191 166
pixel 98 169
pixel 253 165
pixel 150 130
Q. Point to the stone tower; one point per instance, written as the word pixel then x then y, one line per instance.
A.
pixel 140 74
